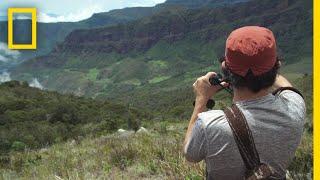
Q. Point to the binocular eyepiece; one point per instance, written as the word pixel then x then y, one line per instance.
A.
pixel 217 80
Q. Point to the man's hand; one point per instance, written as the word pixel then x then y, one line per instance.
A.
pixel 204 90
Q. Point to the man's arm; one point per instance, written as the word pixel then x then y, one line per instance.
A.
pixel 281 82
pixel 200 106
pixel 203 91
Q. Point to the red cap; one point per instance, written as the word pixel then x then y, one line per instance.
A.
pixel 251 47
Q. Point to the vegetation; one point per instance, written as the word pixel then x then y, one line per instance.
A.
pixel 132 75
pixel 155 155
pixel 31 118
pixel 169 46
pixel 96 151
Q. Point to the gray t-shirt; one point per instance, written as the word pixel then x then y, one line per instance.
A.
pixel 276 122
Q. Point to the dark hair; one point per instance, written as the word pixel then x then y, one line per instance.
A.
pixel 253 83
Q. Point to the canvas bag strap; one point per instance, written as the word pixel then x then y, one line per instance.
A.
pixel 243 137
pixel 279 90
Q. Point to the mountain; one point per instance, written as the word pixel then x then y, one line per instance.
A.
pixel 3 18
pixel 163 53
pixel 119 15
pixel 202 3
pixel 51 33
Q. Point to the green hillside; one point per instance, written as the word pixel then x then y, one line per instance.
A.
pixel 31 118
pixel 49 34
pixel 163 53
pixel 155 154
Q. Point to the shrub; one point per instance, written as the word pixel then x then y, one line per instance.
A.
pixel 18 146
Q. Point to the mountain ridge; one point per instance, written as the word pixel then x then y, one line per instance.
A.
pixel 172 26
pixel 170 46
pixel 203 3
pixel 49 34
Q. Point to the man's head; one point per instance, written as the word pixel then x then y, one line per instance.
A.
pixel 251 58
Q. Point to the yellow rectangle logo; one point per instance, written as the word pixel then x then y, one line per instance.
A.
pixel 33 12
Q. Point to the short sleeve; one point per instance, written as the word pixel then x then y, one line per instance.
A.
pixel 195 149
pixel 295 102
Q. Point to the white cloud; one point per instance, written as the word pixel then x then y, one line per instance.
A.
pixel 158 1
pixel 4 77
pixel 146 3
pixel 7 54
pixel 71 17
pixel 35 83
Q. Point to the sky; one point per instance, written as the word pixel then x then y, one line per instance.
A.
pixel 72 10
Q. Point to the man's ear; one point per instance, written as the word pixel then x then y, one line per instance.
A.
pixel 278 64
pixel 223 65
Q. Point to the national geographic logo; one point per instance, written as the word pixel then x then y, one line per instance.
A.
pixel 33 12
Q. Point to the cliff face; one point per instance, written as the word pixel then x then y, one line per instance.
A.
pixel 203 3
pixel 138 36
pixel 173 26
pixel 49 34
pixel 171 46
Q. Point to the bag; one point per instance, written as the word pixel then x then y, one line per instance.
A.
pixel 244 140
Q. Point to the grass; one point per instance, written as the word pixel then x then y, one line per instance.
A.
pixel 153 155
pixel 158 64
pixel 134 81
pixel 92 74
pixel 159 79
pixel 302 67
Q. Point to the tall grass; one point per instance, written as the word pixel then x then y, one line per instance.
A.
pixel 154 155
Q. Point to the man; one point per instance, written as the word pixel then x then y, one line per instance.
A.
pixel 276 120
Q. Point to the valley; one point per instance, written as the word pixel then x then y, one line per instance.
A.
pixel 165 52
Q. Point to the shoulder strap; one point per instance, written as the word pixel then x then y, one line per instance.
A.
pixel 243 137
pixel 279 90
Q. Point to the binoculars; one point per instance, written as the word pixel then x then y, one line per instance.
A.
pixel 216 81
